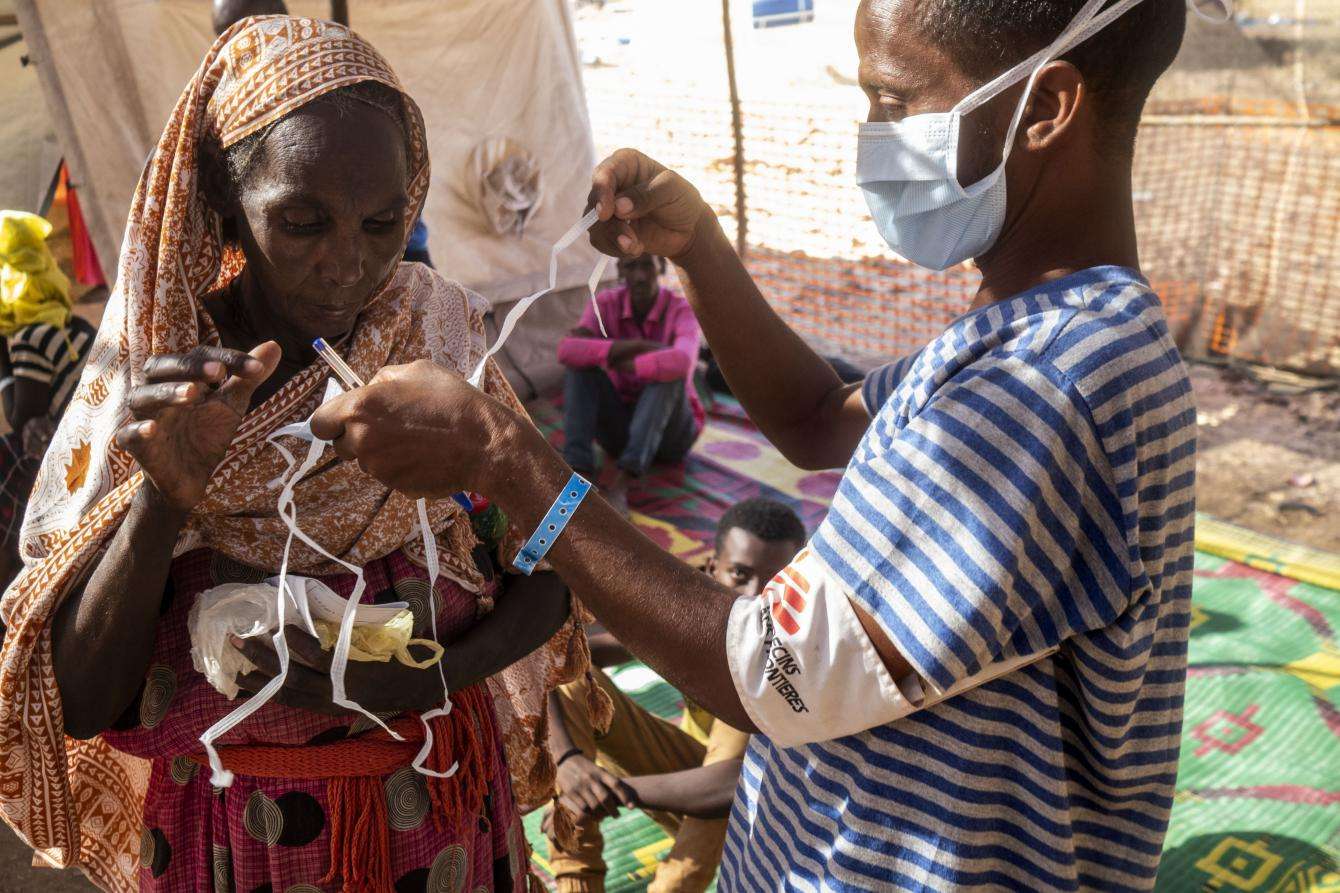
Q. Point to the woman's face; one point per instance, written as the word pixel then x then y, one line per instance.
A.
pixel 322 215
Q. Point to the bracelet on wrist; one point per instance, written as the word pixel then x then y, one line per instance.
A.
pixel 567 754
pixel 552 524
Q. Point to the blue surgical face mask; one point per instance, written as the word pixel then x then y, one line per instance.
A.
pixel 908 169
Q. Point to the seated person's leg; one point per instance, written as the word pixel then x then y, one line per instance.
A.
pixel 692 862
pixel 579 868
pixel 681 431
pixel 659 404
pixel 591 406
pixel 637 743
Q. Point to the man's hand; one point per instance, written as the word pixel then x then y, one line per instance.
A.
pixel 420 429
pixel 643 207
pixel 590 792
pixel 624 353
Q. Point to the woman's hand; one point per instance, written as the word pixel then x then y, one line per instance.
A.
pixel 186 413
pixel 422 429
pixel 644 208
pixel 376 686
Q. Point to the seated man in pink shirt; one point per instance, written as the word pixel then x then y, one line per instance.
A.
pixel 633 391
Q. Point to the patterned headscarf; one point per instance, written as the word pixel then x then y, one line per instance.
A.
pixel 80 802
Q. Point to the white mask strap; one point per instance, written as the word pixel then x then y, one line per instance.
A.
pixel 1086 23
pixel 509 323
pixel 430 553
pixel 1033 63
pixel 288 513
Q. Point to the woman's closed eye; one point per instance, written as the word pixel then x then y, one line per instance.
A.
pixel 303 223
pixel 382 223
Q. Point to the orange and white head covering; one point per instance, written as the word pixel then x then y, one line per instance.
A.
pixel 80 802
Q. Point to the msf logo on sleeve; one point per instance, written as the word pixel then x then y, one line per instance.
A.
pixel 786 594
pixel 784 603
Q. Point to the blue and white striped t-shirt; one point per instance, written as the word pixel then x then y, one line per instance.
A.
pixel 1026 482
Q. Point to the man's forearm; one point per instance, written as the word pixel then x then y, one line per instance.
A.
pixel 668 614
pixel 789 391
pixel 631 348
pixel 606 650
pixel 703 792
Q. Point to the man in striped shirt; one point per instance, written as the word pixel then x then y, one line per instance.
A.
pixel 972 676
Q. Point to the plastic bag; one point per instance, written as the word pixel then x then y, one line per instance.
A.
pixel 247 610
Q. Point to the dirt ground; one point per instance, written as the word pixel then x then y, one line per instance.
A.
pixel 18 876
pixel 1270 453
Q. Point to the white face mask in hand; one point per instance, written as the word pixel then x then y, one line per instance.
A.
pixel 908 169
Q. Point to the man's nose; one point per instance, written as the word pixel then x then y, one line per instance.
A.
pixel 750 588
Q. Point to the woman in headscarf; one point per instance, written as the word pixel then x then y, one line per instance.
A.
pixel 274 211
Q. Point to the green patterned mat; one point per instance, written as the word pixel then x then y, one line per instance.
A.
pixel 1258 788
pixel 1257 806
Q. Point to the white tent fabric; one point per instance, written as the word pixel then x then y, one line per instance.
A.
pixel 480 70
pixel 28 145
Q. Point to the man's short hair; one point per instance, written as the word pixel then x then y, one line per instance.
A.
pixel 1120 63
pixel 767 519
pixel 229 12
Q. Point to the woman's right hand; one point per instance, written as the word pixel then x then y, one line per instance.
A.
pixel 644 207
pixel 186 413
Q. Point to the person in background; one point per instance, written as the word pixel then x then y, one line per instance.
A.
pixel 683 777
pixel 45 347
pixel 416 250
pixel 632 391
pixel 229 12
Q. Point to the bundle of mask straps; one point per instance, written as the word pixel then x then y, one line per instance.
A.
pixel 288 513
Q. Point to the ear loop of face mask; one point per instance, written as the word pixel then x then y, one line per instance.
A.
pixel 1086 23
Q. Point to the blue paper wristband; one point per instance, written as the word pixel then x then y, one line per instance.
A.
pixel 551 526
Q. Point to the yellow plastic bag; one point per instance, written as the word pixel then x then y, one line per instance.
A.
pixel 381 642
pixel 32 287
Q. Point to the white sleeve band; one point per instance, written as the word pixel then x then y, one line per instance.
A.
pixel 806 670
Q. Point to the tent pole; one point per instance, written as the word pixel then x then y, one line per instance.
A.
pixel 339 12
pixel 737 132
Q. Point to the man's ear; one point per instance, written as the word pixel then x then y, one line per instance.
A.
pixel 1060 99
pixel 710 567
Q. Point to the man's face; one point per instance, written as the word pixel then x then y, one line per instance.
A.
pixel 642 277
pixel 746 563
pixel 902 74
